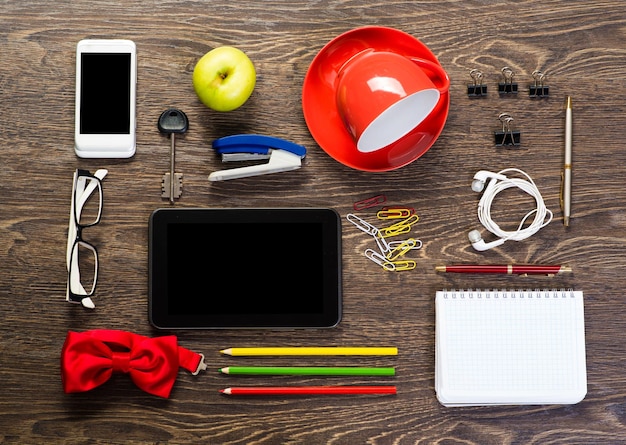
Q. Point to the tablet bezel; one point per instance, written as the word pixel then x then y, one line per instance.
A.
pixel 330 222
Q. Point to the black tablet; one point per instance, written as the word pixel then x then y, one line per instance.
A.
pixel 244 268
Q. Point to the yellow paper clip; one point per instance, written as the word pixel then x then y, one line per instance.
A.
pixel 404 265
pixel 400 227
pixel 399 230
pixel 394 244
pixel 380 260
pixel 394 213
pixel 401 249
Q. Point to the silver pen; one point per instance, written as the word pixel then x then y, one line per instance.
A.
pixel 566 185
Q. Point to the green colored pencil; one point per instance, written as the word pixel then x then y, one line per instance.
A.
pixel 300 370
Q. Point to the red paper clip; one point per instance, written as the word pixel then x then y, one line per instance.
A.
pixel 369 202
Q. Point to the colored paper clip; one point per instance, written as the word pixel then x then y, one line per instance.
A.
pixel 283 155
pixel 394 244
pixel 394 213
pixel 400 227
pixel 403 265
pixel 380 260
pixel 401 249
pixel 369 202
pixel 361 224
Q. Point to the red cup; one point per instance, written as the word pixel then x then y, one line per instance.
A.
pixel 383 97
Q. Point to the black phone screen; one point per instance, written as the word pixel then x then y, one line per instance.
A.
pixel 105 93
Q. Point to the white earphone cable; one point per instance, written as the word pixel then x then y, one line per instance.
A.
pixel 542 215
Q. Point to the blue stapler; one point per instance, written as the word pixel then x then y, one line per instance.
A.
pixel 283 155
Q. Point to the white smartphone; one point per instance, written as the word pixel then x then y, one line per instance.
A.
pixel 106 78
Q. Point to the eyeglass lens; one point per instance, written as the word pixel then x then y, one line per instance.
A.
pixel 88 201
pixel 84 272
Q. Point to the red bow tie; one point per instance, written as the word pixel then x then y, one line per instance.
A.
pixel 88 359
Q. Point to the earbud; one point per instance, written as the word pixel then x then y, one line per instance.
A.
pixel 480 178
pixel 479 243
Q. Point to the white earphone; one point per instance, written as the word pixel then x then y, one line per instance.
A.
pixel 497 183
pixel 480 178
pixel 479 243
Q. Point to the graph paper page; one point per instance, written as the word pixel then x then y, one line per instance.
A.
pixel 510 347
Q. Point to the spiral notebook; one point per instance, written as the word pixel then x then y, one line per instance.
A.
pixel 510 347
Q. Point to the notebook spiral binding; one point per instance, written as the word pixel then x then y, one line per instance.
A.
pixel 507 293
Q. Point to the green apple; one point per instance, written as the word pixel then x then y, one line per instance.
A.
pixel 224 78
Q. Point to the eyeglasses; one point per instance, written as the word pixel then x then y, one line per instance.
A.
pixel 82 257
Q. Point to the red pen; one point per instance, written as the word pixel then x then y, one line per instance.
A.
pixel 508 269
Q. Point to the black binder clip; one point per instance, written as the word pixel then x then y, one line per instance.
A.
pixel 538 89
pixel 507 137
pixel 476 88
pixel 508 86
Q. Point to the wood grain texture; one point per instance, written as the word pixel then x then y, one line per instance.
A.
pixel 578 44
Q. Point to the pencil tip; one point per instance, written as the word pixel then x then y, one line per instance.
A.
pixel 224 370
pixel 226 351
pixel 226 391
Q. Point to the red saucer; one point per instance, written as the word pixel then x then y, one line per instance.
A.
pixel 320 109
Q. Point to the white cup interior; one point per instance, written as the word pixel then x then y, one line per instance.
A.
pixel 398 120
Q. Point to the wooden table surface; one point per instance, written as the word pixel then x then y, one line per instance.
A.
pixel 579 45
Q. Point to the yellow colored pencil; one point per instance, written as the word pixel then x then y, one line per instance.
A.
pixel 333 350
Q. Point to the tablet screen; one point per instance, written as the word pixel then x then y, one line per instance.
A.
pixel 245 268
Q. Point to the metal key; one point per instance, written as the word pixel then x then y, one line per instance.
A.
pixel 172 122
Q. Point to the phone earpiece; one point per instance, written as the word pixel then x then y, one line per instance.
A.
pixel 478 185
pixel 481 177
pixel 479 243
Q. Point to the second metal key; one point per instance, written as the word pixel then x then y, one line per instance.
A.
pixel 172 122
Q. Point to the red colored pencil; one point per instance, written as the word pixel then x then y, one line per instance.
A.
pixel 306 390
